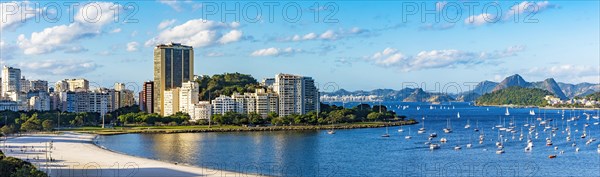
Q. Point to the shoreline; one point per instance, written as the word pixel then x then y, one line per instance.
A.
pixel 77 154
pixel 159 130
pixel 554 108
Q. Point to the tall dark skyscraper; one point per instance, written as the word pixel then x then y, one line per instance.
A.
pixel 173 65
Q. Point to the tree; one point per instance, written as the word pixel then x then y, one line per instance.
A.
pixel 8 129
pixel 48 125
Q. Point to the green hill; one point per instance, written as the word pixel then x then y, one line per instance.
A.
pixel 226 84
pixel 515 96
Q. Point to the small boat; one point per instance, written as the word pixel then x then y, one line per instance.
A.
pixel 434 146
pixel 331 132
pixel 433 135
pixel 531 112
pixel 457 147
pixel 552 156
pixel 500 151
pixel 468 125
pixel 408 136
pixel 469 145
pixel 386 133
pixel 401 130
pixel 458 115
pixel 507 113
pixel 443 140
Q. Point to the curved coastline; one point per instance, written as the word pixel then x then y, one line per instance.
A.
pixel 77 154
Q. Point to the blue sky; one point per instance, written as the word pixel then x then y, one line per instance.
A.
pixel 362 45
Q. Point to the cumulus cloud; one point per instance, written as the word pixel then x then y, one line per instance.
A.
pixel 88 23
pixel 11 14
pixel 391 57
pixel 566 72
pixel 59 67
pixel 199 33
pixel 132 46
pixel 165 23
pixel 275 52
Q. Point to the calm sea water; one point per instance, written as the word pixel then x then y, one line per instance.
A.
pixel 363 152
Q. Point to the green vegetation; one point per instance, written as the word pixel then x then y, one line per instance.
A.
pixel 13 167
pixel 593 96
pixel 515 96
pixel 226 84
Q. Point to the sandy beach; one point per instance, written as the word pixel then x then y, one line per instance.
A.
pixel 75 155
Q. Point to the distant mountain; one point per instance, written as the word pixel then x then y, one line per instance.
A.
pixel 560 90
pixel 484 87
pixel 582 89
pixel 551 86
pixel 513 81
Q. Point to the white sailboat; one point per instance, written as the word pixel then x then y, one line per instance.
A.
pixel 468 124
pixel 408 136
pixel 422 129
pixel 458 115
pixel 507 113
pixel 448 128
pixel 532 113
pixel 386 135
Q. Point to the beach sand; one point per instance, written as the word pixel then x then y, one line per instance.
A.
pixel 75 155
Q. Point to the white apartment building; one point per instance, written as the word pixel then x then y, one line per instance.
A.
pixel 223 104
pixel 11 81
pixel 171 101
pixel 201 111
pixel 188 96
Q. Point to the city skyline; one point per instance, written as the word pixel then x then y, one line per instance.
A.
pixel 415 51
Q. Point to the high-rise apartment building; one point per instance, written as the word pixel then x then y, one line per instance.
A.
pixel 173 65
pixel 147 98
pixel 11 82
pixel 297 94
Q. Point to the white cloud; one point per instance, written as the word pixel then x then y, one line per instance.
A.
pixel 198 33
pixel 523 7
pixel 61 37
pixel 214 54
pixel 480 19
pixel 118 30
pixel 528 6
pixel 172 3
pixel 59 67
pixel 391 57
pixel 11 14
pixel 567 73
pixel 132 46
pixel 327 35
pixel 232 36
pixel 165 23
pixel 275 52
pixel 75 49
